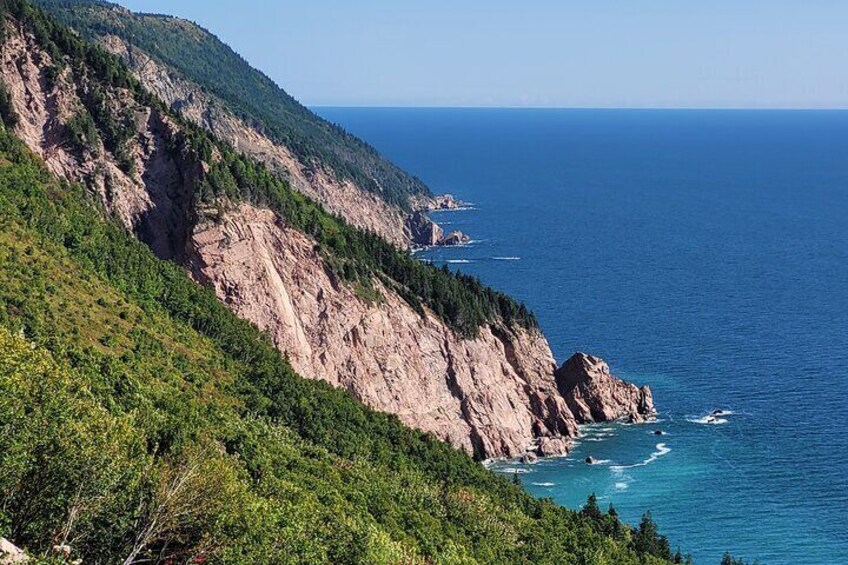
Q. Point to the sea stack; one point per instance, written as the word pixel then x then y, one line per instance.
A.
pixel 595 395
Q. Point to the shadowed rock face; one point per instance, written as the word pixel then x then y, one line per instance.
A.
pixel 153 198
pixel 594 395
pixel 422 231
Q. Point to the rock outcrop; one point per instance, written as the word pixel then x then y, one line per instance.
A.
pixel 445 202
pixel 454 238
pixel 422 231
pixel 594 395
pixel 10 554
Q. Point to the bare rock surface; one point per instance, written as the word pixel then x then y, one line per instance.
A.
pixel 454 238
pixel 343 197
pixel 445 202
pixel 493 395
pixel 151 198
pixel 11 554
pixel 594 395
pixel 422 231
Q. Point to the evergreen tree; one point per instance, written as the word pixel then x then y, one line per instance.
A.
pixel 646 539
pixel 591 509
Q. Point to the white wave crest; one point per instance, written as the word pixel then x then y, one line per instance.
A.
pixel 544 484
pixel 661 449
pixel 506 258
pixel 512 470
pixel 621 486
pixel 458 261
pixel 708 421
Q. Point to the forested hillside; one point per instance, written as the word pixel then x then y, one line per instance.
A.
pixel 140 420
pixel 202 58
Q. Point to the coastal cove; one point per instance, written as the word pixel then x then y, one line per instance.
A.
pixel 700 252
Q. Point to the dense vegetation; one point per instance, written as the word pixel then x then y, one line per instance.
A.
pixel 354 255
pixel 203 59
pixel 140 418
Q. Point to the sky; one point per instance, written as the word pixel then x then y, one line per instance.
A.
pixel 539 53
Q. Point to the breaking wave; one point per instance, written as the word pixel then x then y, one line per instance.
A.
pixel 708 420
pixel 661 449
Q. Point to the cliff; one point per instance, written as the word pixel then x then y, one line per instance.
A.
pixel 338 195
pixel 494 394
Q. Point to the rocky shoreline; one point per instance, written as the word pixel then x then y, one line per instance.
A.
pixel 422 232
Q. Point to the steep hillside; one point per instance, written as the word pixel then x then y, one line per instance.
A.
pixel 446 354
pixel 203 59
pixel 140 421
pixel 210 85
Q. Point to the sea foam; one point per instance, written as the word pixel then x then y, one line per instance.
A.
pixel 661 449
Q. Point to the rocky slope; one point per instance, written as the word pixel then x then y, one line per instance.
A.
pixel 498 394
pixel 339 196
pixel 151 196
pixel 494 395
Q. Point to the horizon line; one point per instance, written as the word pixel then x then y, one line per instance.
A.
pixel 614 108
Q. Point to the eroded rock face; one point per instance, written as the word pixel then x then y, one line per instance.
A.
pixel 493 395
pixel 594 395
pixel 422 231
pixel 152 198
pixel 359 207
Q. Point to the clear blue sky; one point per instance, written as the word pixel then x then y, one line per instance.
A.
pixel 592 53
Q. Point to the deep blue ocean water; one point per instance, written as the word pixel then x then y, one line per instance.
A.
pixel 704 253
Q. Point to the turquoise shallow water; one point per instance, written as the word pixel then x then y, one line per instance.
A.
pixel 704 253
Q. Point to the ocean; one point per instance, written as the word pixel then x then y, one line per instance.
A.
pixel 704 253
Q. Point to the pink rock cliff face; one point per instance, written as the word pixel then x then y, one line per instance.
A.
pixel 496 395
